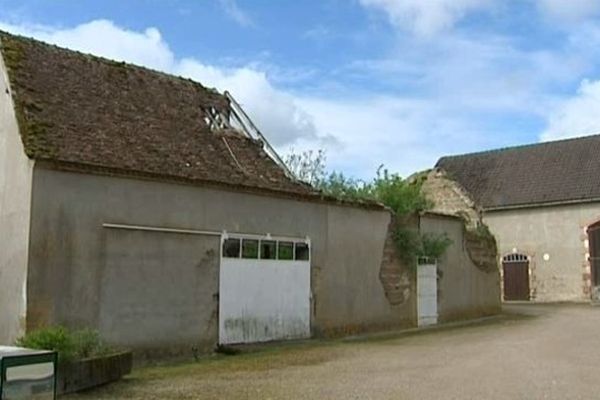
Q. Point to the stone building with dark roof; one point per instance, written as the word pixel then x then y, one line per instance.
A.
pixel 542 202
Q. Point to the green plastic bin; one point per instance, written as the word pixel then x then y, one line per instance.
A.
pixel 27 374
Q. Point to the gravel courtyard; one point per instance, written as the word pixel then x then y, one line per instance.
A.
pixel 530 352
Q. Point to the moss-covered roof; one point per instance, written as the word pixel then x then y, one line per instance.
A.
pixel 79 111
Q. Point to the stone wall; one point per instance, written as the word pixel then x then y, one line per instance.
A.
pixel 553 238
pixel 482 249
pixel 556 243
pixel 397 278
pixel 449 197
pixel 349 293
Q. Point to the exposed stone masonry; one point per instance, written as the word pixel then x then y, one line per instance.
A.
pixel 449 198
pixel 397 278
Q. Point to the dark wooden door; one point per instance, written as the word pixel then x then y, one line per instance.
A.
pixel 516 280
pixel 594 240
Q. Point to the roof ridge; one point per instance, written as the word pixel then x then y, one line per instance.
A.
pixel 105 60
pixel 524 146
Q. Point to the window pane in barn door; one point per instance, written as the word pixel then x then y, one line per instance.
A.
pixel 231 248
pixel 268 249
pixel 302 251
pixel 249 248
pixel 285 251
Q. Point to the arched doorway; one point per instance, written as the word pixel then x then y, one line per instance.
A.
pixel 516 277
pixel 594 246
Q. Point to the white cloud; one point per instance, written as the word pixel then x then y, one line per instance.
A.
pixel 234 12
pixel 404 134
pixel 569 11
pixel 426 17
pixel 371 130
pixel 429 17
pixel 275 112
pixel 455 94
pixel 576 116
pixel 475 74
pixel 358 133
pixel 104 38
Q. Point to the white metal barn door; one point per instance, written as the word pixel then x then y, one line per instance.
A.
pixel 427 294
pixel 264 289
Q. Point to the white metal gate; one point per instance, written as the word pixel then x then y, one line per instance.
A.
pixel 264 289
pixel 427 294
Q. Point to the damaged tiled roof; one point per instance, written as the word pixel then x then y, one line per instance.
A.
pixel 78 111
pixel 552 172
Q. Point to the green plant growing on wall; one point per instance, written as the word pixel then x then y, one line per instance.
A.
pixel 402 196
pixel 434 245
pixel 411 245
pixel 337 185
pixel 483 232
pixel 408 244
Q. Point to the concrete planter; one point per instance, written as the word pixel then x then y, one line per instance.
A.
pixel 91 372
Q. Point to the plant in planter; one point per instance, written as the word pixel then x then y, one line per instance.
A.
pixel 84 361
pixel 53 338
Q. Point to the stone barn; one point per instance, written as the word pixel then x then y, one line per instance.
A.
pixel 542 203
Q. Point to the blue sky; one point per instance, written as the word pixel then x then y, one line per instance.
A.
pixel 394 82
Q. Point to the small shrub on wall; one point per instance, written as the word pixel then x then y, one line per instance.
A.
pixel 412 245
pixel 434 245
pixel 403 197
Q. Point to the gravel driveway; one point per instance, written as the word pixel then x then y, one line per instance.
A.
pixel 531 352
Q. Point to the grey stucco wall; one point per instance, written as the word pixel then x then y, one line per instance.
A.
pixel 350 293
pixel 560 233
pixel 464 291
pixel 68 246
pixel 163 284
pixel 15 203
